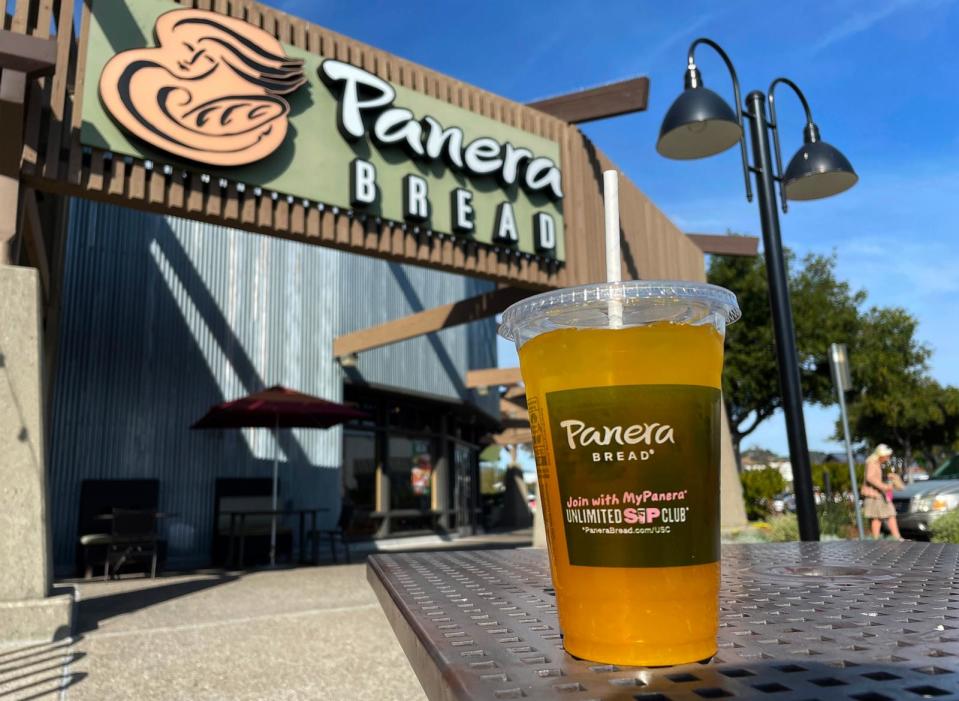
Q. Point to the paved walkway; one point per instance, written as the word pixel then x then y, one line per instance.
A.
pixel 305 633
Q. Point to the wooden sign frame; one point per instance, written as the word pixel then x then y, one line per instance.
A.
pixel 54 160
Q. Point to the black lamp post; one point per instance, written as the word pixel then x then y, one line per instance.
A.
pixel 699 124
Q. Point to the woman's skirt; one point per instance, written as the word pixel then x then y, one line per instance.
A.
pixel 874 507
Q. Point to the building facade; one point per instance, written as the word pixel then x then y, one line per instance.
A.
pixel 181 236
pixel 163 317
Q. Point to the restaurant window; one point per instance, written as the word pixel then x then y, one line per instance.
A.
pixel 412 461
pixel 372 411
pixel 359 468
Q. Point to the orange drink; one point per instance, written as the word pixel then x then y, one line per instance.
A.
pixel 625 414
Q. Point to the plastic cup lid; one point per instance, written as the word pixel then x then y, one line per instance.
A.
pixel 643 302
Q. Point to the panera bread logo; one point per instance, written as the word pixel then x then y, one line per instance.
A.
pixel 210 91
pixel 579 434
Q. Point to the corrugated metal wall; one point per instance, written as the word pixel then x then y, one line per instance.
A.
pixel 163 317
pixel 434 363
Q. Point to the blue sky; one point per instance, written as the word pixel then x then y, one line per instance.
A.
pixel 878 75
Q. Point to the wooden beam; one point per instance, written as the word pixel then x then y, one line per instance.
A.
pixel 591 104
pixel 33 240
pixel 435 319
pixel 493 377
pixel 30 55
pixel 513 411
pixel 517 394
pixel 514 436
pixel 726 244
pixel 512 415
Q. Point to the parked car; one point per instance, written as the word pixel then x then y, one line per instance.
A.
pixel 789 503
pixel 777 504
pixel 921 503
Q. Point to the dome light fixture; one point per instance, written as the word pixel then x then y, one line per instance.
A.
pixel 818 169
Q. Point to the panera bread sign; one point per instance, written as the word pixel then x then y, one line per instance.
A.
pixel 223 97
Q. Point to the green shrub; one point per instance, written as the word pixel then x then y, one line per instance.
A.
pixel 783 529
pixel 838 476
pixel 754 533
pixel 945 529
pixel 759 488
pixel 835 519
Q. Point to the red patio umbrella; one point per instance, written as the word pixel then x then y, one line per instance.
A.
pixel 275 408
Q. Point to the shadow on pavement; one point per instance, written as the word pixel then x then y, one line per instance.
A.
pixel 39 670
pixel 59 659
pixel 17 653
pixel 62 681
pixel 91 611
pixel 58 667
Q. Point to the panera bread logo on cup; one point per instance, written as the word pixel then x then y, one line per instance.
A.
pixel 210 91
pixel 580 435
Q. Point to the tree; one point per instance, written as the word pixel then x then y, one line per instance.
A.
pixel 838 476
pixel 920 418
pixel 759 488
pixel 825 310
pixel 491 472
pixel 894 400
pixel 938 440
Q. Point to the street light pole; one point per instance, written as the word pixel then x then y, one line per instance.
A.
pixel 839 364
pixel 698 124
pixel 782 318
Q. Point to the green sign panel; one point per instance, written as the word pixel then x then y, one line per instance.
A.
pixel 219 96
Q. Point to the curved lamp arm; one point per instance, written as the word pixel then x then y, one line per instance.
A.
pixel 736 93
pixel 811 132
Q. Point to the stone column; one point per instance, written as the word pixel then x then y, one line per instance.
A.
pixel 539 522
pixel 731 507
pixel 27 609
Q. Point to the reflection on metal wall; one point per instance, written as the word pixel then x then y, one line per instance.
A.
pixel 163 317
pixel 373 291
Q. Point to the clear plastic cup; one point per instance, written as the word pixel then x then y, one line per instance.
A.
pixel 623 385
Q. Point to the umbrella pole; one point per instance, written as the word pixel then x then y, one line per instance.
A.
pixel 276 459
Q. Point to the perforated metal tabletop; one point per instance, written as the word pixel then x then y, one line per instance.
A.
pixel 870 621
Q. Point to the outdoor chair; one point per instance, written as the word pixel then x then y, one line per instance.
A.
pixel 339 533
pixel 134 538
pixel 98 499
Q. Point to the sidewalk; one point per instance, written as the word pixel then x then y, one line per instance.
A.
pixel 304 633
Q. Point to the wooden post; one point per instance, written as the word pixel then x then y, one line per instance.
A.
pixel 21 58
pixel 13 90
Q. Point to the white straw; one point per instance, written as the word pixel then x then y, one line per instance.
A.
pixel 614 265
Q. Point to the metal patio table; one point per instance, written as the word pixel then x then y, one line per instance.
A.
pixel 869 621
pixel 237 530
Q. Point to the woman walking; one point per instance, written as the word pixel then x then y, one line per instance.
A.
pixel 877 493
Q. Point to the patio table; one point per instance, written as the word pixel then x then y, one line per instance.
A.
pixel 156 514
pixel 869 621
pixel 238 522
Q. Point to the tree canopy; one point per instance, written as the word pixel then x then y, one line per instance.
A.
pixel 894 400
pixel 825 310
